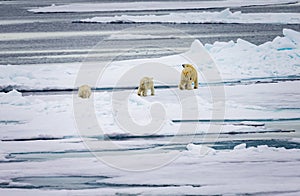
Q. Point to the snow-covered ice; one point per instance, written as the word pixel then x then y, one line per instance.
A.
pixel 154 5
pixel 235 60
pixel 32 115
pixel 42 149
pixel 225 16
pixel 222 172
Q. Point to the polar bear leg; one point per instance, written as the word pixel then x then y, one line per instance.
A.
pixel 181 85
pixel 196 83
pixel 84 95
pixel 152 90
pixel 189 85
pixel 139 91
pixel 145 92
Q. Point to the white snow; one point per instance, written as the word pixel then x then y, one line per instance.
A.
pixel 13 98
pixel 198 169
pixel 223 172
pixel 36 114
pixel 292 35
pixel 200 149
pixel 155 5
pixel 30 116
pixel 225 16
pixel 235 60
pixel 3 154
pixel 245 60
pixel 240 147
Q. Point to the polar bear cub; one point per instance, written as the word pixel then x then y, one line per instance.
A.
pixel 84 91
pixel 145 84
pixel 188 76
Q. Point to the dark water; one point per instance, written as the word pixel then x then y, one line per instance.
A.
pixel 53 48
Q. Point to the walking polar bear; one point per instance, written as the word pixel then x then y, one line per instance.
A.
pixel 84 91
pixel 145 84
pixel 188 76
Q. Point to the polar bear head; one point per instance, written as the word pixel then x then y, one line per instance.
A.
pixel 187 73
pixel 187 65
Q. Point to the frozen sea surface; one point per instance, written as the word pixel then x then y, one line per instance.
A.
pixel 28 38
pixel 253 149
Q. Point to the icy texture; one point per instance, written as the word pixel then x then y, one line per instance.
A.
pixel 200 149
pixel 225 16
pixel 243 59
pixel 13 98
pixel 33 116
pixel 223 172
pixel 40 139
pixel 235 60
pixel 30 116
pixel 155 5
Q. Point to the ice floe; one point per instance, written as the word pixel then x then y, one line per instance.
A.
pixel 234 59
pixel 225 16
pixel 151 5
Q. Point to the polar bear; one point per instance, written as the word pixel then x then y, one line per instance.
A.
pixel 84 91
pixel 145 84
pixel 188 75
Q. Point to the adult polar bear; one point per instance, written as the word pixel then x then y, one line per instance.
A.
pixel 188 76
